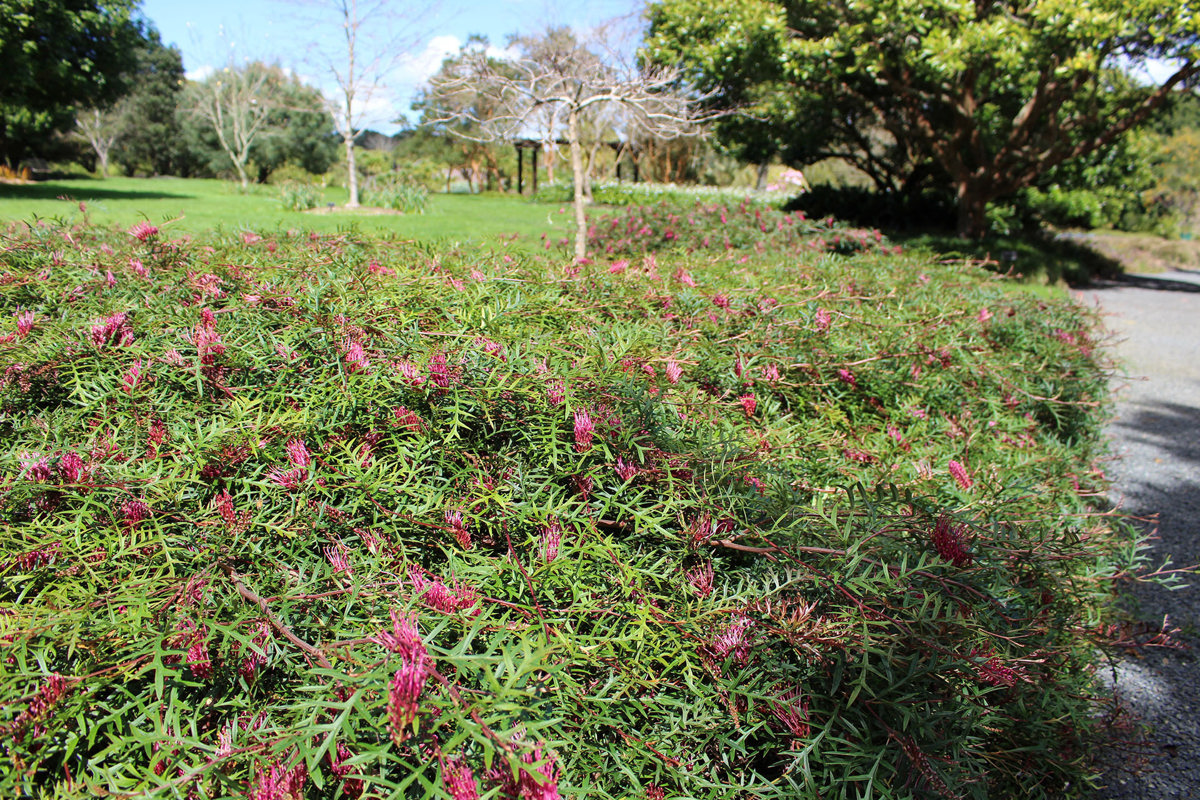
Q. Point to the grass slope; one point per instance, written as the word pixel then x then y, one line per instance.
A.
pixel 197 206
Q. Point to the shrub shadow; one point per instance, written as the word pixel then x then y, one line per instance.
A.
pixel 1159 483
pixel 41 191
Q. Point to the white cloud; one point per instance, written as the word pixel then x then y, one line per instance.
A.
pixel 200 73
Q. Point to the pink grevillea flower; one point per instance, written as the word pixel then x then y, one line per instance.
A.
pixel 701 578
pixel 37 467
pixel 674 372
pixel 992 671
pixel 458 527
pixel 540 782
pixel 410 374
pixel 375 268
pixel 114 331
pixel 356 357
pixel 207 341
pixel 441 597
pixel 404 638
pixel 71 468
pixel 720 301
pixel 734 641
pixel 494 349
pixel 256 652
pixel 25 320
pixel 749 403
pixel 279 783
pixel 404 695
pixel 133 512
pixel 250 237
pixel 700 530
pixel 197 657
pixel 846 376
pixel 683 277
pixel 860 456
pixel 617 267
pixel 625 471
pixel 338 558
pixel 959 473
pixel 138 268
pixel 132 377
pixel 298 453
pixel 556 392
pixel 984 315
pixel 351 787
pixel 792 711
pixel 407 419
pixel 655 792
pixel 38 711
pixel 950 542
pixel 459 780
pixel 143 231
pixel 287 480
pixel 439 372
pixel 770 373
pixel 583 430
pixel 41 557
pixel 821 320
pixel 552 533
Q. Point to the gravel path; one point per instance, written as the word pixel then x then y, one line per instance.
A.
pixel 1156 433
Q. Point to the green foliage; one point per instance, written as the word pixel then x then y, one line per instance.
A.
pixel 976 101
pixel 393 192
pixel 149 135
pixel 56 54
pixel 354 516
pixel 299 195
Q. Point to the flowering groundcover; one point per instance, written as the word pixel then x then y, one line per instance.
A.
pixel 323 516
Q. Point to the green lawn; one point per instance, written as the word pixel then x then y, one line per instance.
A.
pixel 198 206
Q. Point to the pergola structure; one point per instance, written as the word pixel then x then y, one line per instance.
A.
pixel 536 146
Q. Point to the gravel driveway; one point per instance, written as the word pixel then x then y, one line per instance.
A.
pixel 1156 434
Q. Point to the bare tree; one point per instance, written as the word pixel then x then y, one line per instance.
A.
pixel 100 129
pixel 236 103
pixel 375 36
pixel 558 76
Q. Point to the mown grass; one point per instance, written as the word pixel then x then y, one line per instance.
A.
pixel 196 206
pixel 341 516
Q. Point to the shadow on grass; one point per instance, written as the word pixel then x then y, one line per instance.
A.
pixel 56 191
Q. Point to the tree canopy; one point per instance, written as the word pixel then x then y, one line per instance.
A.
pixel 55 54
pixel 976 98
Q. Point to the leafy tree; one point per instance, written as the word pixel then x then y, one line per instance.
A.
pixel 300 131
pixel 255 118
pixel 54 55
pixel 149 138
pixel 976 98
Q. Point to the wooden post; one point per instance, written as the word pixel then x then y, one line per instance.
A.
pixel 535 155
pixel 520 170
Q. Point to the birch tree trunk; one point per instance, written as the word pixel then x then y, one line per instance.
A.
pixel 577 173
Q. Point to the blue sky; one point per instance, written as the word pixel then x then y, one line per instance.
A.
pixel 212 32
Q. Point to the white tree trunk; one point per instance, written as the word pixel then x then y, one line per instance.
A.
pixel 577 172
pixel 352 171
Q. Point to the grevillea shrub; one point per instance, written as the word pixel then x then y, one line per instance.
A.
pixel 738 229
pixel 297 516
